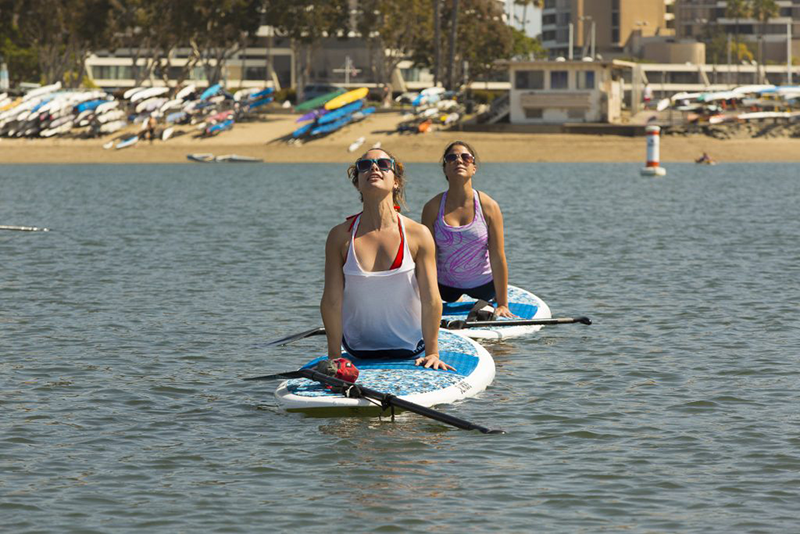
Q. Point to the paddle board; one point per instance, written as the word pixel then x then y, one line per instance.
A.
pixel 355 144
pixel 474 371
pixel 318 101
pixel 185 92
pixel 128 142
pixel 522 303
pixel 211 91
pixel 348 97
pixel 202 158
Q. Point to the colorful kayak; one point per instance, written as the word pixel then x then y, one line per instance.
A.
pixel 522 303
pixel 343 111
pixel 474 371
pixel 319 101
pixel 348 97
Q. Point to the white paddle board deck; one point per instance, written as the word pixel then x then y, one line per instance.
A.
pixel 474 371
pixel 523 304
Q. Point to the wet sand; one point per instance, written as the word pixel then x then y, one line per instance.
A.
pixel 263 140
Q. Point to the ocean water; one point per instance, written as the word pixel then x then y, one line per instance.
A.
pixel 126 331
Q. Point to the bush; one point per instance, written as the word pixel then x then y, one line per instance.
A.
pixel 286 94
pixel 484 96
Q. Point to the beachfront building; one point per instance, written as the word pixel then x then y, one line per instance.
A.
pixel 559 92
pixel 605 29
pixel 708 20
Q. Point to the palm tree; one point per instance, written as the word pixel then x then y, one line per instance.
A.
pixel 763 10
pixel 737 9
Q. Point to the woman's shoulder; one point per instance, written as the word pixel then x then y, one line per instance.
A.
pixel 416 231
pixel 341 231
pixel 434 202
pixel 488 204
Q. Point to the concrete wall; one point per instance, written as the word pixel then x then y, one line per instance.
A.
pixel 674 52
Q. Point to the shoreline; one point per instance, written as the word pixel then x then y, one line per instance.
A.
pixel 262 140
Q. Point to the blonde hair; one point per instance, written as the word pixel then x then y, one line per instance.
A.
pixel 399 192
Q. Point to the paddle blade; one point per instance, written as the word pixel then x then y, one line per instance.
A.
pixel 279 376
pixel 295 337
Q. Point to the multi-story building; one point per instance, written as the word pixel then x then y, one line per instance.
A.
pixel 706 19
pixel 572 28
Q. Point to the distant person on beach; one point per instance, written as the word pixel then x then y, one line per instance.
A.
pixel 467 226
pixel 150 130
pixel 380 297
pixel 647 95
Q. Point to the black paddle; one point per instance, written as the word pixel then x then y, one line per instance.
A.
pixel 454 324
pixel 295 337
pixel 355 391
pixel 458 324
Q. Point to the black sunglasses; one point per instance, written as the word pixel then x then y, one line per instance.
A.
pixel 384 164
pixel 466 157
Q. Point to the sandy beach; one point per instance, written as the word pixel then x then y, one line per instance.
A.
pixel 263 140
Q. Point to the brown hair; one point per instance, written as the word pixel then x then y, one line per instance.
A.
pixel 399 193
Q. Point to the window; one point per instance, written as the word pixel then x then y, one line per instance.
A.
pixel 533 113
pixel 529 79
pixel 559 79
pixel 576 114
pixel 549 35
pixel 615 35
pixel 586 79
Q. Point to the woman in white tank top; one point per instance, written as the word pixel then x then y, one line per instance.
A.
pixel 381 297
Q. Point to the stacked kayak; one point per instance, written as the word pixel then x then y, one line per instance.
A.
pixel 332 112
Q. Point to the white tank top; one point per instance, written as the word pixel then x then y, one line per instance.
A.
pixel 381 310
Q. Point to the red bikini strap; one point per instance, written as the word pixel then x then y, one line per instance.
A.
pixel 398 260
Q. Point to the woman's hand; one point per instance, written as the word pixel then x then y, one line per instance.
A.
pixel 503 311
pixel 432 361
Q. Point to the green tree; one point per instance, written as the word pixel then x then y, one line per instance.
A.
pixel 20 57
pixel 219 28
pixel 524 47
pixel 152 30
pixel 306 23
pixel 62 33
pixel 737 10
pixel 391 29
pixel 484 40
pixel 763 10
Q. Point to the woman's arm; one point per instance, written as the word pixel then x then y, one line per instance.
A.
pixel 333 294
pixel 425 260
pixel 497 253
pixel 430 211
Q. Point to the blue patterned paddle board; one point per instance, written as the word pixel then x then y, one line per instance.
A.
pixel 523 304
pixel 474 371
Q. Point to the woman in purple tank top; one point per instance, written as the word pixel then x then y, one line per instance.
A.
pixel 467 227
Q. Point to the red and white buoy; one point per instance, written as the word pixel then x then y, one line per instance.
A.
pixel 652 167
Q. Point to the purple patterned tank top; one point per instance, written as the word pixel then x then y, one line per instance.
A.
pixel 462 252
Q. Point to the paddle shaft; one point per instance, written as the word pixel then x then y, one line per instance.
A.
pixel 455 324
pixel 459 324
pixel 384 398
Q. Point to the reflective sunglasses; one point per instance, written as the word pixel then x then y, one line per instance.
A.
pixel 384 164
pixel 466 157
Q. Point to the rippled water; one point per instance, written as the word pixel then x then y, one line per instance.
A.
pixel 125 333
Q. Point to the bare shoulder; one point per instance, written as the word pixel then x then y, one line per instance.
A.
pixel 489 206
pixel 434 202
pixel 418 234
pixel 339 236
